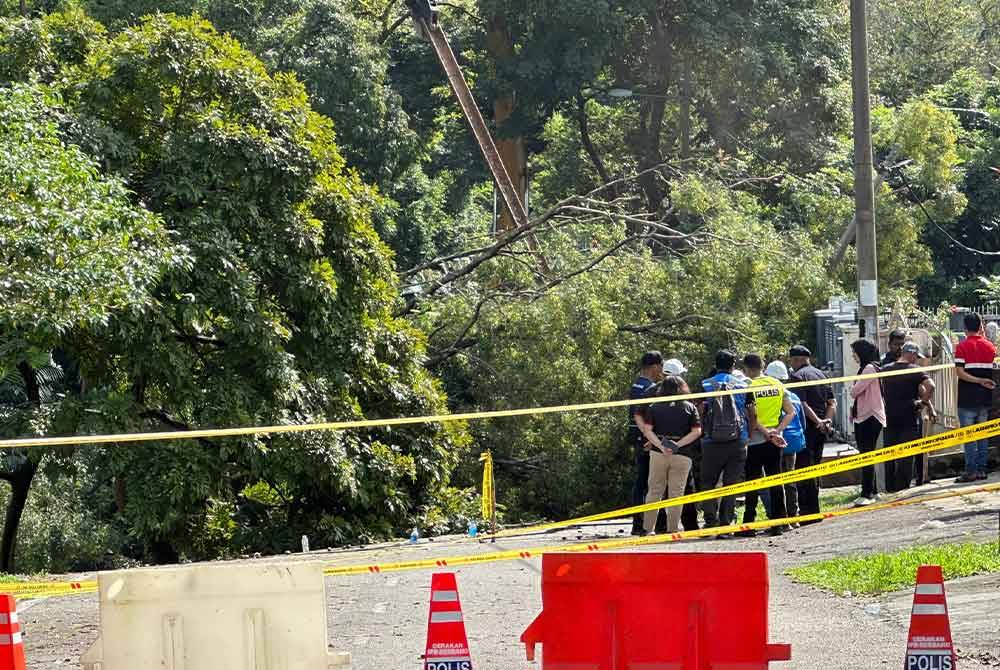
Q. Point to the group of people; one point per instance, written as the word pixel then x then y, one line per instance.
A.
pixel 681 447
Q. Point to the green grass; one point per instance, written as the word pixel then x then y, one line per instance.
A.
pixel 827 502
pixel 837 499
pixel 881 573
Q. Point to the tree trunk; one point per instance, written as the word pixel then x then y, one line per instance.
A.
pixel 512 151
pixel 20 485
pixel 20 479
pixel 684 122
pixel 588 144
pixel 649 154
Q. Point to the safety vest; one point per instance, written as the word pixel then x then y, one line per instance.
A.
pixel 769 400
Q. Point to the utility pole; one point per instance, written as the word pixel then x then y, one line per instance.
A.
pixel 864 190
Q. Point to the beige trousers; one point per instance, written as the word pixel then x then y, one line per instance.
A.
pixel 667 474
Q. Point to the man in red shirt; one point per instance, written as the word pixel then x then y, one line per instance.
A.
pixel 974 358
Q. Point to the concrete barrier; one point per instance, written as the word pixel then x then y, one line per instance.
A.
pixel 261 616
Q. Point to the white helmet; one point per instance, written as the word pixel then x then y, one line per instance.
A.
pixel 777 369
pixel 674 367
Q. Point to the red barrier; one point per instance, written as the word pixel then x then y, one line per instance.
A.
pixel 666 611
pixel 11 646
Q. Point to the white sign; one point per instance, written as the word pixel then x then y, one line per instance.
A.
pixel 868 290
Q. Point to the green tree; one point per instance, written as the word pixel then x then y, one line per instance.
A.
pixel 918 44
pixel 77 253
pixel 284 314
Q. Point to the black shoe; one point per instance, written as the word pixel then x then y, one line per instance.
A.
pixel 981 476
pixel 775 531
pixel 966 478
pixel 750 532
pixel 638 532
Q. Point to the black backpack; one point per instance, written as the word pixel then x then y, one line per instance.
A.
pixel 722 417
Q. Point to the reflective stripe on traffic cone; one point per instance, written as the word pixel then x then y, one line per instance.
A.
pixel 929 646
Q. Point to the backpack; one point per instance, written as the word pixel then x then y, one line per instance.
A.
pixel 722 417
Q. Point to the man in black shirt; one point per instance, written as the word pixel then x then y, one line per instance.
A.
pixel 820 406
pixel 896 339
pixel 904 398
pixel 650 374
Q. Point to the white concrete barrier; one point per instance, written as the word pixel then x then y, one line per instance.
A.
pixel 260 616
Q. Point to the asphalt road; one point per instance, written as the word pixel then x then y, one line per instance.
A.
pixel 381 618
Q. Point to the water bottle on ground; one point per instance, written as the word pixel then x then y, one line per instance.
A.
pixel 473 529
pixel 414 535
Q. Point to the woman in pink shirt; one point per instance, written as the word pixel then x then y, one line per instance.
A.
pixel 868 413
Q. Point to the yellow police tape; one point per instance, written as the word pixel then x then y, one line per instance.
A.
pixel 937 442
pixel 489 492
pixel 27 590
pixel 604 545
pixel 77 440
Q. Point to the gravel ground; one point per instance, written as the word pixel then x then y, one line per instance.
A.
pixel 381 619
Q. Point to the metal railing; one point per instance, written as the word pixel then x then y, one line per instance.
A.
pixel 946 398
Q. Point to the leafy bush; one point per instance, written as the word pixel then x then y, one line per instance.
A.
pixel 62 530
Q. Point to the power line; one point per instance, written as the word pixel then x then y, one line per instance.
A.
pixel 964 247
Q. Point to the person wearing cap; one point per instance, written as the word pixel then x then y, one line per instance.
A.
pixel 820 407
pixel 774 413
pixel 896 339
pixel 795 437
pixel 650 373
pixel 905 398
pixel 674 367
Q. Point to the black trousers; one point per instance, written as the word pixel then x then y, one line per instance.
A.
pixel 764 459
pixel 898 473
pixel 726 460
pixel 867 433
pixel 811 455
pixel 689 513
pixel 641 484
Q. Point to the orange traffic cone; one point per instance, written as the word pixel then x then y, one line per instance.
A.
pixel 929 646
pixel 11 646
pixel 447 645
